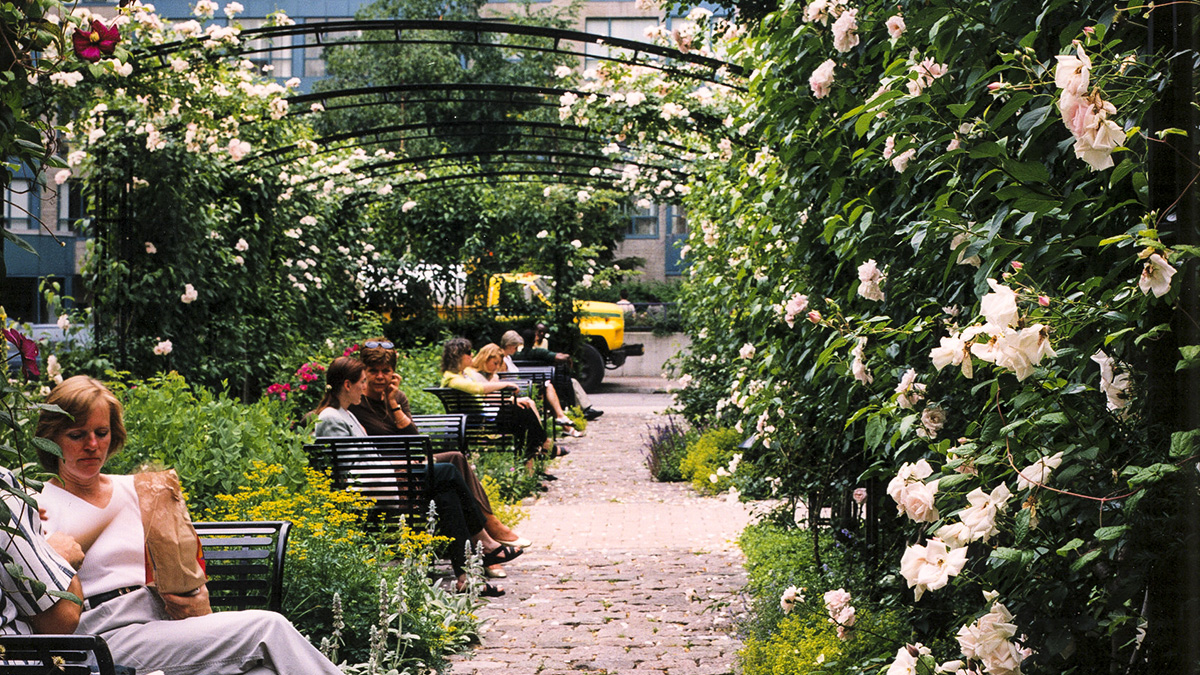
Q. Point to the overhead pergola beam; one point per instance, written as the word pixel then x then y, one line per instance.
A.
pixel 412 31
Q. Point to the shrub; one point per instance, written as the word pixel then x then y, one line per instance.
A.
pixel 508 511
pixel 666 446
pixel 807 642
pixel 210 439
pixel 331 552
pixel 707 460
pixel 513 482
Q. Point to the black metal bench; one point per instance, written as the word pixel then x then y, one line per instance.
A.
pixel 537 377
pixel 244 563
pixel 393 471
pixel 54 655
pixel 485 416
pixel 561 379
pixel 447 433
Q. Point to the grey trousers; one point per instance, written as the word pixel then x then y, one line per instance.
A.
pixel 141 635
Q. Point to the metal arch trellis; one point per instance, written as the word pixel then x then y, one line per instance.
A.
pixel 417 31
pixel 113 214
pixel 407 31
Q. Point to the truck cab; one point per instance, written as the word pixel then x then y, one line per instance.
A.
pixel 602 324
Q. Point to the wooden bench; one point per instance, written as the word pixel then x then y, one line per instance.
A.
pixel 393 471
pixel 54 655
pixel 244 563
pixel 484 416
pixel 447 433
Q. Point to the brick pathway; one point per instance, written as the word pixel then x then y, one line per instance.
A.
pixel 625 575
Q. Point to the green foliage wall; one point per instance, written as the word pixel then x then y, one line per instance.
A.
pixel 891 202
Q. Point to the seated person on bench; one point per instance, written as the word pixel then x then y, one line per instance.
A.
pixel 385 411
pixel 459 516
pixel 521 422
pixel 145 629
pixel 47 561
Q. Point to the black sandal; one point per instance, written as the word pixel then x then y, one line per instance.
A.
pixel 500 555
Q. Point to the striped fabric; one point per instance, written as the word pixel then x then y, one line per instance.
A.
pixel 27 548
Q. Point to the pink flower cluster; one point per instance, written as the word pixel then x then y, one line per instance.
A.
pixel 1011 348
pixel 310 372
pixel 1086 115
pixel 795 306
pixel 280 390
pixel 841 612
pixel 989 640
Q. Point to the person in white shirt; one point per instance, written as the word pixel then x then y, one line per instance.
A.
pixel 144 628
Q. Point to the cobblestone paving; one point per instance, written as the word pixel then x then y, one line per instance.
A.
pixel 625 575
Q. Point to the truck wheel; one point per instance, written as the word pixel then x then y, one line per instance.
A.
pixel 590 370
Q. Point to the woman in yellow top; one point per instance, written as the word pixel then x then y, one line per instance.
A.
pixel 458 372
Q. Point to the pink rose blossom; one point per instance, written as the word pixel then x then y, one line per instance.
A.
pixel 822 79
pixel 896 27
pixel 845 37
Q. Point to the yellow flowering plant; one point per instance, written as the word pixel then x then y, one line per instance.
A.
pixel 332 551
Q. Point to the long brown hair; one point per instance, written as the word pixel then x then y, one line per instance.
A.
pixel 452 353
pixel 343 369
pixel 78 396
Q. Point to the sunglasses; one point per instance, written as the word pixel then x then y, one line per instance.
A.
pixel 372 344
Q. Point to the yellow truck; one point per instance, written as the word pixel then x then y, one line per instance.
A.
pixel 602 324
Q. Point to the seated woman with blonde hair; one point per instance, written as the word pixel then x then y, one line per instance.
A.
pixel 144 628
pixel 457 368
pixel 490 362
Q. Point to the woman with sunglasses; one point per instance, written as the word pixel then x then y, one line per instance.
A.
pixel 385 411
pixel 459 517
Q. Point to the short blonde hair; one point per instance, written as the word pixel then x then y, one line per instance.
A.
pixel 486 352
pixel 78 396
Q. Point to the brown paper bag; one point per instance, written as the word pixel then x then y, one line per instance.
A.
pixel 172 545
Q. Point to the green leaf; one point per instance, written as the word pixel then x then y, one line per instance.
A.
pixel 1113 240
pixel 1151 474
pixel 875 428
pixel 47 445
pixel 1070 546
pixel 1191 357
pixel 1028 172
pixel 1184 443
pixel 1085 559
pixel 988 149
pixel 1110 533
pixel 960 109
pixel 1120 172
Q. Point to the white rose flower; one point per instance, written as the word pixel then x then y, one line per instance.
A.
pixel 189 294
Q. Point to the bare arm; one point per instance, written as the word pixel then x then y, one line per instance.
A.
pixel 63 616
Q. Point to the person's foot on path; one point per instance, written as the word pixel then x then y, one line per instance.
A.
pixel 624 572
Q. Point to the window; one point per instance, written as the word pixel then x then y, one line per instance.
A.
pixel 643 221
pixel 23 301
pixel 677 221
pixel 314 60
pixel 281 59
pixel 19 205
pixel 633 28
pixel 70 206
